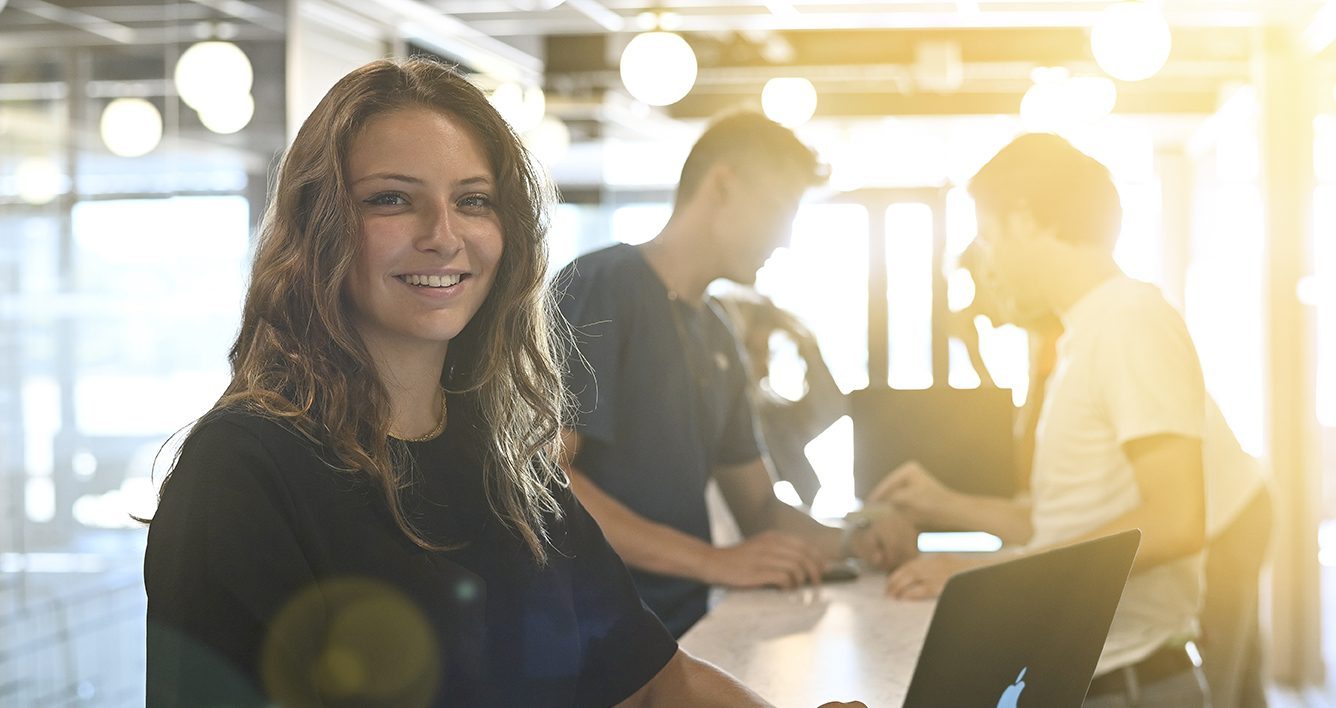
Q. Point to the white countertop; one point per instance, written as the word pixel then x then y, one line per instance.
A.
pixel 801 648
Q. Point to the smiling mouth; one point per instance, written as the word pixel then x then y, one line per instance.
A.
pixel 433 281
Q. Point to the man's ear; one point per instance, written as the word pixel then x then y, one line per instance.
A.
pixel 1021 222
pixel 720 181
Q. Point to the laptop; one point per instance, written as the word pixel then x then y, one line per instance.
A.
pixel 1026 632
pixel 963 436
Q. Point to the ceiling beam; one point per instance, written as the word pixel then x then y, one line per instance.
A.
pixel 22 44
pixel 1202 101
pixel 595 10
pixel 246 11
pixel 871 72
pixel 76 19
pixel 1071 15
pixel 853 47
pixel 425 25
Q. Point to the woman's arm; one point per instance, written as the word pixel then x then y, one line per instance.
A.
pixel 688 681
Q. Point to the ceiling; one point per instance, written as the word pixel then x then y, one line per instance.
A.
pixel 866 57
pixel 501 18
pixel 43 24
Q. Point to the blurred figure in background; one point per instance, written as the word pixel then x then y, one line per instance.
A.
pixel 1238 509
pixel 1119 441
pixel 1042 332
pixel 663 404
pixel 787 425
pixel 963 325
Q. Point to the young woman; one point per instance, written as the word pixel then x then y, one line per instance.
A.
pixel 372 514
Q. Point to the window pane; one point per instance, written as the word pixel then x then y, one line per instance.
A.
pixel 909 294
pixel 822 278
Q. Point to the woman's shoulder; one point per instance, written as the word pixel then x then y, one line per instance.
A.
pixel 231 438
pixel 240 426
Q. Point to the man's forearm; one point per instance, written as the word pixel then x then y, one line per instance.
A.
pixel 749 490
pixel 642 543
pixel 827 539
pixel 1008 519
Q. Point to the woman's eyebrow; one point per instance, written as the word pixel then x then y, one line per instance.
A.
pixel 389 176
pixel 396 177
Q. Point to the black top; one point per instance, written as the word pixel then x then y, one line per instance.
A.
pixel 268 571
pixel 665 403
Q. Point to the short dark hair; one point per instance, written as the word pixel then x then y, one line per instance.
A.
pixel 749 140
pixel 1063 187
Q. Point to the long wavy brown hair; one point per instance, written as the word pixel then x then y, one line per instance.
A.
pixel 299 359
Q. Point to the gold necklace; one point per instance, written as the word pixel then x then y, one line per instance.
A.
pixel 440 425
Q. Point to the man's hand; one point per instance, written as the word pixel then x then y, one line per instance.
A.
pixel 924 577
pixel 916 494
pixel 888 541
pixel 768 558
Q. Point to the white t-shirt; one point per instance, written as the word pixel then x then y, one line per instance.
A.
pixel 1126 370
pixel 1233 476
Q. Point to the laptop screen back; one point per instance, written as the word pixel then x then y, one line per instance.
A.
pixel 1030 630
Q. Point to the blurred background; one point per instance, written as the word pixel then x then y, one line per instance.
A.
pixel 137 139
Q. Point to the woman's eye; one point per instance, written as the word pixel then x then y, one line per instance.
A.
pixel 387 199
pixel 476 202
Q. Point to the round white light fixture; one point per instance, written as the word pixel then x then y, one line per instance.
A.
pixel 789 101
pixel 131 127
pixel 550 140
pixel 212 72
pixel 40 180
pixel 227 117
pixel 1131 40
pixel 522 108
pixel 1058 103
pixel 658 68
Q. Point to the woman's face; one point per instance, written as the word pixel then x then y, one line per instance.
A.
pixel 431 235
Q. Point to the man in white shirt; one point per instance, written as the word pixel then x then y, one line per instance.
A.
pixel 1238 527
pixel 1119 439
pixel 1238 509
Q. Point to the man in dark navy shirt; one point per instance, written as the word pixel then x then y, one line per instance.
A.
pixel 662 394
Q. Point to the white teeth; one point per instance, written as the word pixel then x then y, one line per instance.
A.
pixel 432 281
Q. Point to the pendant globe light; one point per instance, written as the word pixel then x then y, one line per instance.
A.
pixel 1131 40
pixel 658 68
pixel 789 101
pixel 130 127
pixel 212 71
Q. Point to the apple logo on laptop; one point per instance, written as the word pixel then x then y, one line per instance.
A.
pixel 1013 692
